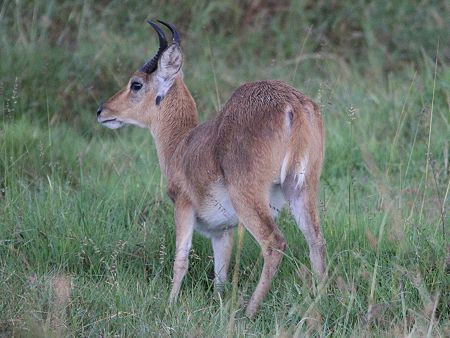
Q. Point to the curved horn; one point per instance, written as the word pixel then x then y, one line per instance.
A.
pixel 175 35
pixel 150 66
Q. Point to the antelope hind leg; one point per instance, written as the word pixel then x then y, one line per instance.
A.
pixel 257 218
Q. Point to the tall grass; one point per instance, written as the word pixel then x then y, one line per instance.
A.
pixel 86 231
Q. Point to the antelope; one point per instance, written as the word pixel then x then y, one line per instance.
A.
pixel 262 151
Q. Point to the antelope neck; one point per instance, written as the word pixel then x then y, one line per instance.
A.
pixel 178 115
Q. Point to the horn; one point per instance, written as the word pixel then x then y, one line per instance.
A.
pixel 175 35
pixel 150 66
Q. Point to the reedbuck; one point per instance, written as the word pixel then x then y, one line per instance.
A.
pixel 262 151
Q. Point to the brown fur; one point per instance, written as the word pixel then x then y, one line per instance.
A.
pixel 243 149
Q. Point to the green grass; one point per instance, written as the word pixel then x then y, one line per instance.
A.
pixel 86 230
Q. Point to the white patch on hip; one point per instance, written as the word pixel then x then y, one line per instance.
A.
pixel 301 171
pixel 284 166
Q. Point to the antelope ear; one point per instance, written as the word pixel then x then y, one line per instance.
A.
pixel 169 66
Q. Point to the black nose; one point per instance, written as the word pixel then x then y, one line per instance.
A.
pixel 99 110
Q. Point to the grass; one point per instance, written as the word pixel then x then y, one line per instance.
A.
pixel 86 230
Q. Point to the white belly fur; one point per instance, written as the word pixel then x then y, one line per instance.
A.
pixel 217 213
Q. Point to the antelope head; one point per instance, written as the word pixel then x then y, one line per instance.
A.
pixel 139 102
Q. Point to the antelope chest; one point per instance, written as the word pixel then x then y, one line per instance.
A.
pixel 217 214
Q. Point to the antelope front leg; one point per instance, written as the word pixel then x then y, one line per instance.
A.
pixel 222 247
pixel 184 224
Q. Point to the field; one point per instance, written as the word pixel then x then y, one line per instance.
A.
pixel 86 229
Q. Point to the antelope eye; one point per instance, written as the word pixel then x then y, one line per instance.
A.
pixel 135 86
